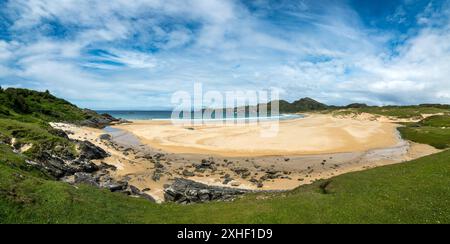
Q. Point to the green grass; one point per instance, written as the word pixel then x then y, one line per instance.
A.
pixel 413 192
pixel 38 134
pixel 434 131
pixel 436 121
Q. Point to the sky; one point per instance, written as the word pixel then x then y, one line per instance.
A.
pixel 121 54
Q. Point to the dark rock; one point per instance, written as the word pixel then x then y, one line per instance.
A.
pixel 85 178
pixel 135 190
pixel 148 197
pixel 104 165
pixel 99 121
pixel 59 133
pixel 148 156
pixel 90 151
pixel 159 156
pixel 188 173
pixel 84 166
pixel 186 191
pixel 105 137
pixel 243 172
pixel 200 170
pixel 55 166
pixel 114 186
pixel 206 164
pixel 272 172
pixel 156 176
pixel 227 180
pixel 159 165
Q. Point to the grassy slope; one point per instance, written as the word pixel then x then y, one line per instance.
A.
pixel 395 111
pixel 434 131
pixel 32 106
pixel 24 115
pixel 414 192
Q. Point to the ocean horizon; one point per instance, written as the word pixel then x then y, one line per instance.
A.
pixel 167 115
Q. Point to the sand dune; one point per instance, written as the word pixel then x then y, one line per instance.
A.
pixel 315 134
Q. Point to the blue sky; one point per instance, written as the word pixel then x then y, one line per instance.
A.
pixel 122 54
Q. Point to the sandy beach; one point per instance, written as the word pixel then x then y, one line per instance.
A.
pixel 151 154
pixel 315 134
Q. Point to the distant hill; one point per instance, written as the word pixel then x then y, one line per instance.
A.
pixel 304 104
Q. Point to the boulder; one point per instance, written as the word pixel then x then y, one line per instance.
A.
pixel 206 164
pixel 242 172
pixel 90 151
pixel 156 176
pixel 136 192
pixel 186 191
pixel 54 165
pixel 104 166
pixel 84 166
pixel 85 178
pixel 105 137
pixel 99 121
pixel 114 186
pixel 188 173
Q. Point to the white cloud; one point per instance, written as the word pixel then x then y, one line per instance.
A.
pixel 327 54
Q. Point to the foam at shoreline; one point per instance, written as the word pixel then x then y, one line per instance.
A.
pixel 167 116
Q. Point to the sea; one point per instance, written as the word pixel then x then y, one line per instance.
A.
pixel 167 115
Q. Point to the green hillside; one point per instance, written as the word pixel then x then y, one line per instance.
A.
pixel 25 117
pixel 30 105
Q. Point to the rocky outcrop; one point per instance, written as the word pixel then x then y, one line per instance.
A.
pixel 98 121
pixel 66 164
pixel 85 178
pixel 136 192
pixel 244 173
pixel 186 191
pixel 205 165
pixel 90 151
pixel 53 165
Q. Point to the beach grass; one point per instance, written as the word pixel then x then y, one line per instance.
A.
pixel 434 131
pixel 402 112
pixel 412 192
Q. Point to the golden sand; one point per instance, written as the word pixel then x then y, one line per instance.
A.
pixel 315 134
